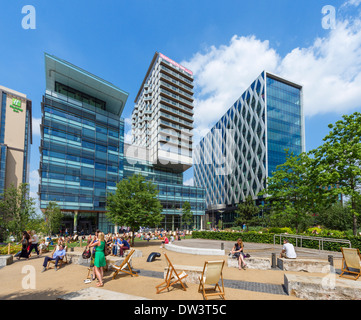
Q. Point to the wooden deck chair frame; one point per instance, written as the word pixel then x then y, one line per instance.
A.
pixel 125 263
pixel 350 260
pixel 171 274
pixel 61 261
pixel 208 279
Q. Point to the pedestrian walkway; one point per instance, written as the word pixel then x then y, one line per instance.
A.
pixel 233 284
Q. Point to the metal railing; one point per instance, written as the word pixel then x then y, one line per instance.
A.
pixel 300 238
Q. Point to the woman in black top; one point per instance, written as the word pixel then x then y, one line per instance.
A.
pixel 25 244
pixel 237 251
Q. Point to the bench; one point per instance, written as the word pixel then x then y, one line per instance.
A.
pixel 328 287
pixel 98 294
pixel 305 265
pixel 252 263
pixel 193 272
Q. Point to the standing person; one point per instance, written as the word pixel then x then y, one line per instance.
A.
pixel 115 245
pixel 99 260
pixel 237 251
pixel 123 245
pixel 24 246
pixel 34 243
pixel 288 250
pixel 91 244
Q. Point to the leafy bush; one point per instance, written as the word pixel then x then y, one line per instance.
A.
pixel 13 249
pixel 281 230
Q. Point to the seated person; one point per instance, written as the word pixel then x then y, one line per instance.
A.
pixel 237 251
pixel 165 241
pixel 123 245
pixel 58 255
pixel 288 250
pixel 43 247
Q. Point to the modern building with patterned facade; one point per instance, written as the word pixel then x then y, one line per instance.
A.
pixel 82 143
pixel 246 145
pixel 15 138
pixel 162 127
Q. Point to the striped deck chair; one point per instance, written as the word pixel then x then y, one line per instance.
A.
pixel 172 277
pixel 125 266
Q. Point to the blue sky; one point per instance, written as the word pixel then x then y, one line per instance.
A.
pixel 116 40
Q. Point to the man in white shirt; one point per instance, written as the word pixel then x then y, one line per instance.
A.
pixel 288 250
pixel 34 243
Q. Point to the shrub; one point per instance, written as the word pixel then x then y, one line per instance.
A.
pixel 13 249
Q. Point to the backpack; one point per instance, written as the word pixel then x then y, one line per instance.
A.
pixel 86 253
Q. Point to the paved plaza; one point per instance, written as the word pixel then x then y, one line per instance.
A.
pixel 250 284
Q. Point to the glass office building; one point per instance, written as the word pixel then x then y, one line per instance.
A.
pixel 245 146
pixel 81 144
pixel 172 192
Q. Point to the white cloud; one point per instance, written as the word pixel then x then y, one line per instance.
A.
pixel 329 70
pixel 355 3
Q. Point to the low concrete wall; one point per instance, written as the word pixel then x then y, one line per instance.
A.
pixel 329 287
pixel 76 258
pixel 305 265
pixel 194 273
pixel 5 260
pixel 196 251
pixel 252 263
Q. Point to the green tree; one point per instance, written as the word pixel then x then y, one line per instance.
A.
pixel 289 192
pixel 336 217
pixel 52 218
pixel 246 212
pixel 187 214
pixel 16 210
pixel 337 163
pixel 134 204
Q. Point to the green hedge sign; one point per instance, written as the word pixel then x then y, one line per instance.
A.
pixel 16 105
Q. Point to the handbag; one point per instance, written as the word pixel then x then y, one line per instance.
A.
pixel 86 253
pixel 107 250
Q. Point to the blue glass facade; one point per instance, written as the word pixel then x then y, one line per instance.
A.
pixel 82 148
pixel 284 122
pixel 234 160
pixel 82 153
pixel 172 192
pixel 3 148
pixel 3 153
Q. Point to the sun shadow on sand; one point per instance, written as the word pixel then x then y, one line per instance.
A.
pixel 49 294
